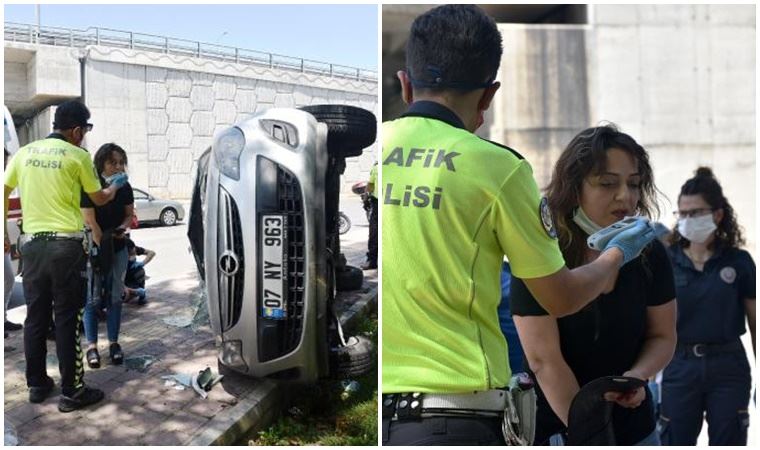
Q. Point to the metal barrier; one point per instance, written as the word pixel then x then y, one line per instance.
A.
pixel 68 37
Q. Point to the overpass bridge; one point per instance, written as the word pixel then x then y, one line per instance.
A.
pixel 163 98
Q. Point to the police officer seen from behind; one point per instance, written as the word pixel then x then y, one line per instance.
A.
pixel 715 290
pixel 454 205
pixel 50 174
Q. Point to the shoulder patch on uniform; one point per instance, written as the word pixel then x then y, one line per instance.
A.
pixel 728 274
pixel 546 218
pixel 514 152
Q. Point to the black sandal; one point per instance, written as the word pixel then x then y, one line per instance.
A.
pixel 117 357
pixel 93 358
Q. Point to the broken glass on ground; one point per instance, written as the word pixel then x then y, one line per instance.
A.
pixel 196 317
pixel 139 363
pixel 11 436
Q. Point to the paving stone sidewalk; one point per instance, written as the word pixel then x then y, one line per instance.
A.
pixel 139 409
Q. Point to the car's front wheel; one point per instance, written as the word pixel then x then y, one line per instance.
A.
pixel 168 217
pixel 353 359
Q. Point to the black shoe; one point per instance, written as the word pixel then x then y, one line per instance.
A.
pixel 83 397
pixel 117 356
pixel 93 358
pixel 369 265
pixel 10 326
pixel 38 394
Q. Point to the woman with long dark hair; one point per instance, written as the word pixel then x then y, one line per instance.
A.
pixel 108 224
pixel 715 287
pixel 601 177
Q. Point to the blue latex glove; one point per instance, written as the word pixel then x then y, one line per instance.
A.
pixel 633 240
pixel 137 264
pixel 118 180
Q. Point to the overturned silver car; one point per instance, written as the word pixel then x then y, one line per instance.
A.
pixel 263 229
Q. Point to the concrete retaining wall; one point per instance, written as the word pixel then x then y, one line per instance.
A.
pixel 678 78
pixel 165 112
pixel 164 109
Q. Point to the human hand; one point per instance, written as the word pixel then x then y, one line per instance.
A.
pixel 630 399
pixel 118 180
pixel 7 244
pixel 631 241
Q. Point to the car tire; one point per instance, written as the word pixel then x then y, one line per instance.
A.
pixel 168 217
pixel 344 223
pixel 354 359
pixel 349 129
pixel 349 279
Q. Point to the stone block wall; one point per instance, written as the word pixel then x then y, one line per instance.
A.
pixel 165 111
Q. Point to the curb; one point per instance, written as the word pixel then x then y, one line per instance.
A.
pixel 260 407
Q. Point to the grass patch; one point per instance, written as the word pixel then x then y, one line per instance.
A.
pixel 322 414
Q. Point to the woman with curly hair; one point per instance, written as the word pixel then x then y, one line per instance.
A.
pixel 600 178
pixel 715 287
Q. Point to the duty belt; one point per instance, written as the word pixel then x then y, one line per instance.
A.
pixel 701 350
pixel 420 405
pixel 50 236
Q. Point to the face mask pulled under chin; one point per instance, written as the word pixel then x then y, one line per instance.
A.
pixel 582 220
pixel 697 229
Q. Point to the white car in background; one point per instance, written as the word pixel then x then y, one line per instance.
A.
pixel 151 209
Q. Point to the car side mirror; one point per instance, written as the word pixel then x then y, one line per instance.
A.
pixel 150 198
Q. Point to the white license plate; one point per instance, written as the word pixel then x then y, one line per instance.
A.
pixel 273 268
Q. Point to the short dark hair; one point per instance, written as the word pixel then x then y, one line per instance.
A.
pixel 704 183
pixel 70 114
pixel 453 47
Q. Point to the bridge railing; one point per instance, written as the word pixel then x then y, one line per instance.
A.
pixel 68 37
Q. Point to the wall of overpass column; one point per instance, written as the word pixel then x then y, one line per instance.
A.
pixel 165 110
pixel 680 79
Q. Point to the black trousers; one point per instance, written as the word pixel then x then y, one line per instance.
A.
pixel 54 282
pixel 372 243
pixel 443 431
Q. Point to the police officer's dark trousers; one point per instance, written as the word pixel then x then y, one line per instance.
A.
pixel 54 281
pixel 372 242
pixel 718 383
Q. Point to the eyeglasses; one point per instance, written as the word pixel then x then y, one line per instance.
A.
pixel 692 213
pixel 87 127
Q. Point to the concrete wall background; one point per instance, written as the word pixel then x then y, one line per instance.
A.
pixel 678 78
pixel 681 80
pixel 164 110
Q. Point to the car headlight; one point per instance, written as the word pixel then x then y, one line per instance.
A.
pixel 227 148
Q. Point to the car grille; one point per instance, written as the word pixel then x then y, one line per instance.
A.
pixel 291 205
pixel 230 265
pixel 278 192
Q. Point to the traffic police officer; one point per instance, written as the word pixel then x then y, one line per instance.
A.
pixel 453 206
pixel 50 174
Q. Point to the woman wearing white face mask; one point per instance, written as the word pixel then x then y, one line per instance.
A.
pixel 715 288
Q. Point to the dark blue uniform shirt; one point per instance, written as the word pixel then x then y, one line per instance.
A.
pixel 711 303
